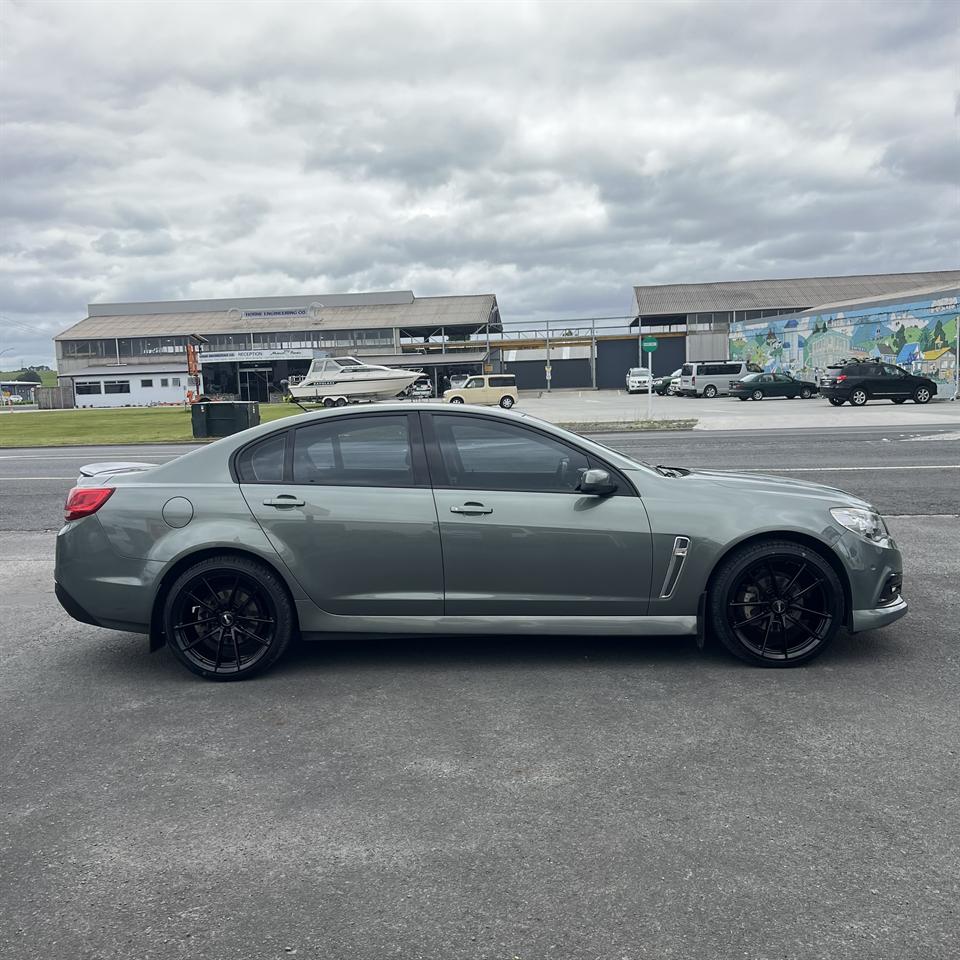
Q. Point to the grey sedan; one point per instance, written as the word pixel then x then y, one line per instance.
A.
pixel 388 520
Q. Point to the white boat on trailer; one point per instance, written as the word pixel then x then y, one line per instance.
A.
pixel 337 381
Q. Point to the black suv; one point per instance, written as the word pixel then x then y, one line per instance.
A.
pixel 861 380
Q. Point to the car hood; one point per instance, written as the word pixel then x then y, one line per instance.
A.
pixel 752 484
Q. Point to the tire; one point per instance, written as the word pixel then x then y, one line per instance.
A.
pixel 709 391
pixel 341 401
pixel 806 393
pixel 858 397
pixel 836 401
pixel 756 395
pixel 899 400
pixel 329 402
pixel 506 402
pixel 921 395
pixel 230 591
pixel 753 603
pixel 456 399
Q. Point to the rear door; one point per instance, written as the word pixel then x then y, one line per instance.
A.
pixel 518 539
pixel 346 503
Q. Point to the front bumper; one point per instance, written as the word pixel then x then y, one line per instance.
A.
pixel 879 617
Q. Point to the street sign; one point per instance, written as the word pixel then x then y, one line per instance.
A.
pixel 649 344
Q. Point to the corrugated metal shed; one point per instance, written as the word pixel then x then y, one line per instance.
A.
pixel 899 296
pixel 225 317
pixel 680 298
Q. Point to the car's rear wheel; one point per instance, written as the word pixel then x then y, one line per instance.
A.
pixel 805 393
pixel 228 618
pixel 506 402
pixel 776 603
pixel 456 399
pixel 756 395
pixel 921 395
pixel 836 401
pixel 858 397
pixel 709 391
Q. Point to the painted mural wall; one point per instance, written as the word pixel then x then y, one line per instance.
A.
pixel 919 335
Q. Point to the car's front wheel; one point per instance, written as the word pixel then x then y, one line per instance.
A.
pixel 228 618
pixel 836 401
pixel 776 603
pixel 921 395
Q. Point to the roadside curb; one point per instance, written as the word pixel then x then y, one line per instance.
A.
pixel 625 426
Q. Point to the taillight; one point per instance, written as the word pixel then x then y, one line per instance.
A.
pixel 83 501
pixel 841 378
pixel 693 380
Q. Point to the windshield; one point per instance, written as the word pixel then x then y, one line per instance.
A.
pixel 637 372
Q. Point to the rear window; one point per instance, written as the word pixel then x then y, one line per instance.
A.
pixel 686 370
pixel 263 462
pixel 503 381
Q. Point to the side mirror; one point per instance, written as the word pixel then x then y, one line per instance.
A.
pixel 596 482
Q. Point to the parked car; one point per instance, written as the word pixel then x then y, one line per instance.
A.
pixel 449 521
pixel 858 381
pixel 709 378
pixel 637 379
pixel 757 386
pixel 664 385
pixel 488 388
pixel 420 389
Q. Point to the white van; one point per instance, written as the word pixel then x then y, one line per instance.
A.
pixel 708 378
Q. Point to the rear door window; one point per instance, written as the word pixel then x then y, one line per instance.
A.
pixel 363 451
pixel 263 462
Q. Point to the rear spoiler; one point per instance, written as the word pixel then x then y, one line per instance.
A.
pixel 110 468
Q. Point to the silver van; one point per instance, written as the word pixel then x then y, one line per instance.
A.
pixel 708 378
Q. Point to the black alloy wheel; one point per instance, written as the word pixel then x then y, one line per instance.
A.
pixel 757 394
pixel 836 401
pixel 776 604
pixel 709 391
pixel 921 395
pixel 228 618
pixel 858 397
pixel 805 393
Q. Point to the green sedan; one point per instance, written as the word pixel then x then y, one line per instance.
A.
pixel 759 386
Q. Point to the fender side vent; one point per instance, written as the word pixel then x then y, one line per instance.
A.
pixel 681 546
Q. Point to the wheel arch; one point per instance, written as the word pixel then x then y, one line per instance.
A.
pixel 801 539
pixel 157 637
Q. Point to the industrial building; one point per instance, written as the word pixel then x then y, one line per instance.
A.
pixel 134 354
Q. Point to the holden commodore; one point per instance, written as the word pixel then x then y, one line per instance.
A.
pixel 461 520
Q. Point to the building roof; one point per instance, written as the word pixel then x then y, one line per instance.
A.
pixel 130 370
pixel 800 292
pixel 270 314
pixel 895 297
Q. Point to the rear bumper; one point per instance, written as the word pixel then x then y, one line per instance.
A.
pixel 879 617
pixel 72 606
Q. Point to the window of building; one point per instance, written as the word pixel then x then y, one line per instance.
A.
pixel 367 451
pixel 92 386
pixel 146 383
pixel 174 381
pixel 116 386
pixel 164 381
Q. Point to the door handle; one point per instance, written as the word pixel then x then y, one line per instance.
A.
pixel 472 509
pixel 284 500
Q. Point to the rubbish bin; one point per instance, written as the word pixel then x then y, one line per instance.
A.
pixel 220 418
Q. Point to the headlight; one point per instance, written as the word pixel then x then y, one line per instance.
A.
pixel 864 523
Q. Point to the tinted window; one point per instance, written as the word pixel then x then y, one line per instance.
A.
pixel 894 372
pixel 365 451
pixel 146 383
pixel 766 378
pixel 116 386
pixel 731 368
pixel 88 387
pixel 502 381
pixel 263 462
pixel 486 455
pixel 781 378
pixel 686 370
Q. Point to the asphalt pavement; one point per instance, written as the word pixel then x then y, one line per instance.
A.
pixel 509 798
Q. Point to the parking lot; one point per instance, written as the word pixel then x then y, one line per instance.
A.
pixel 517 797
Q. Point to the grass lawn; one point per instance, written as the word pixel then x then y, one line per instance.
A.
pixel 51 428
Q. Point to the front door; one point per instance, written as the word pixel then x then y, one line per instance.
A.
pixel 518 539
pixel 346 503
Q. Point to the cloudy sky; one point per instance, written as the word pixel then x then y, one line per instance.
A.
pixel 551 153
